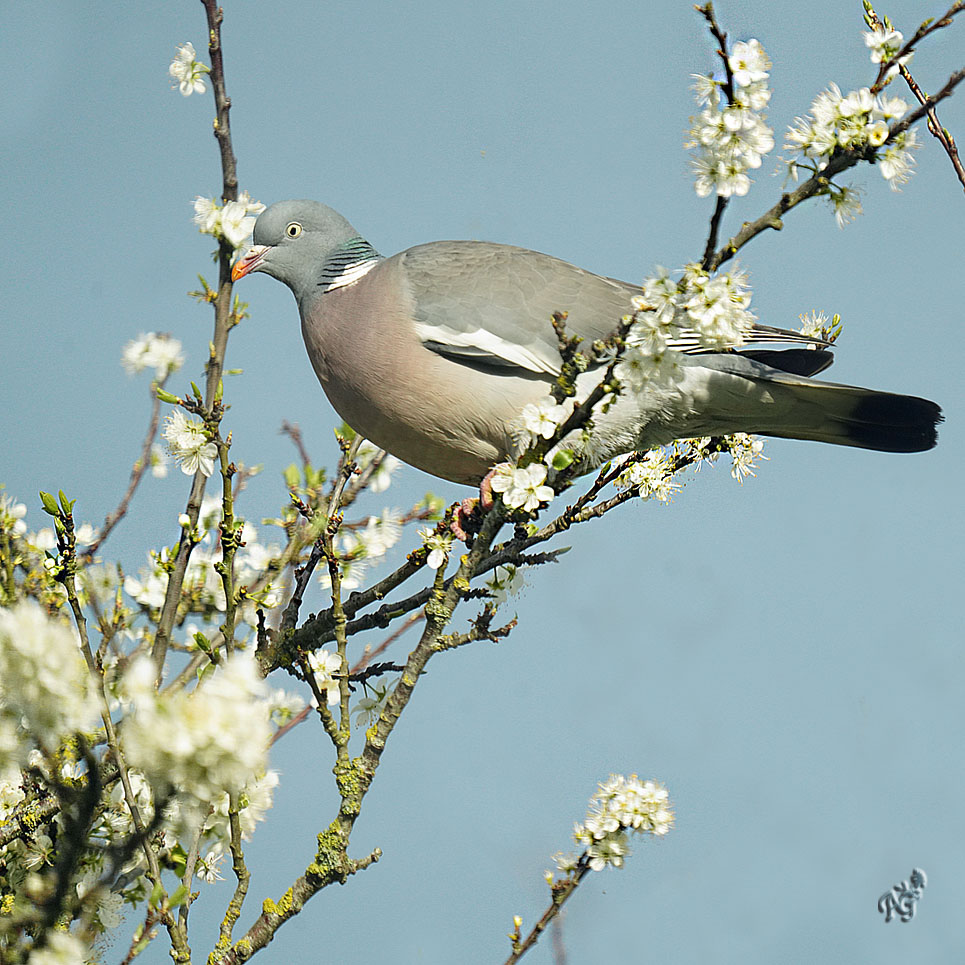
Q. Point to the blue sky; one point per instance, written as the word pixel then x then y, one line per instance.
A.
pixel 785 655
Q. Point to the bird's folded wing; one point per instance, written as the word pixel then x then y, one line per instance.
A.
pixel 493 305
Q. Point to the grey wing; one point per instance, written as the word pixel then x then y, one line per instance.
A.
pixel 493 304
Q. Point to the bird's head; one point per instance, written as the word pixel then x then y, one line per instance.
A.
pixel 292 239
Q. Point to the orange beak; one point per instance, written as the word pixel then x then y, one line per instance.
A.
pixel 249 261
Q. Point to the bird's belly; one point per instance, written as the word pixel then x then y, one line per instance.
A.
pixel 440 416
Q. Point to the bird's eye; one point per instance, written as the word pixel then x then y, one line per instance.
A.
pixel 293 230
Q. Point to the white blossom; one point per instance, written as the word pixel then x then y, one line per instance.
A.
pixel 609 850
pixel 637 367
pixel 745 451
pixel 44 680
pixel 748 63
pixel 538 420
pixel 43 539
pixel 325 664
pixel 566 861
pixel 158 461
pixel 60 948
pixel 884 45
pixel 897 161
pixel 369 707
pixel 11 516
pixel 813 325
pixel 187 71
pixel 437 546
pixel 233 222
pixel 847 205
pixel 253 802
pixel 159 352
pixel 150 589
pixel 377 537
pixel 505 580
pixel 381 478
pixel 207 215
pixel 236 223
pixel 201 744
pixel 522 487
pixel 188 444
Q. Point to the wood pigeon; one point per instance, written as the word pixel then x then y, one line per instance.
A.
pixel 432 354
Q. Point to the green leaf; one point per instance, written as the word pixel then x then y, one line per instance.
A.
pixel 156 892
pixel 204 644
pixel 49 504
pixel 179 860
pixel 563 458
pixel 292 476
pixel 178 896
pixel 67 505
pixel 196 391
pixel 167 397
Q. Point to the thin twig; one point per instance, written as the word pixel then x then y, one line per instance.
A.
pixel 707 12
pixel 291 430
pixel 934 125
pixel 562 892
pixel 224 321
pixel 928 27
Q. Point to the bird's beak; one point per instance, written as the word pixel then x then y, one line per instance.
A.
pixel 249 261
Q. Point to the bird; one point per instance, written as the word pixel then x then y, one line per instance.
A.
pixel 433 353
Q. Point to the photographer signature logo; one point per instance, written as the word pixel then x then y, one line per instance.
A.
pixel 901 899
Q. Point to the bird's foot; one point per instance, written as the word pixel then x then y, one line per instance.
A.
pixel 469 513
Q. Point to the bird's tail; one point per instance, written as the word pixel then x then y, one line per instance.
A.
pixel 850 416
pixel 787 405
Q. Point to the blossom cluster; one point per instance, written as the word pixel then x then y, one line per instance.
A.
pixel 202 591
pixel 885 43
pixel 233 222
pixel 522 487
pixel 621 805
pixel 45 685
pixel 197 746
pixel 713 308
pixel 253 803
pixel 729 135
pixel 153 351
pixel 11 516
pixel 652 476
pixel 189 444
pixel 854 121
pixel 361 546
pixel 745 451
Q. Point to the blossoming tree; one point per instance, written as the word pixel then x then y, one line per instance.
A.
pixel 137 713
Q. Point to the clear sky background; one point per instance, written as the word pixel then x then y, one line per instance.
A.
pixel 786 655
